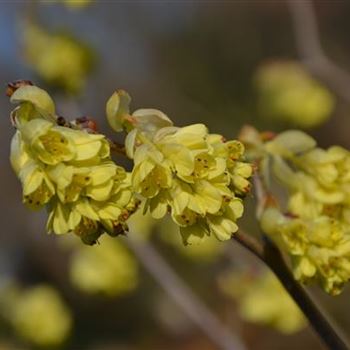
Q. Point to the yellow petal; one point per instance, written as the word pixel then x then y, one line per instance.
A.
pixel 117 109
pixel 31 177
pixel 18 156
pixel 222 227
pixel 100 192
pixel 36 96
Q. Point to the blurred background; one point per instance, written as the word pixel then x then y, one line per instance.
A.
pixel 223 63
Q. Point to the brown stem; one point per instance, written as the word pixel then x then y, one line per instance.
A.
pixel 310 50
pixel 250 243
pixel 272 257
pixel 117 147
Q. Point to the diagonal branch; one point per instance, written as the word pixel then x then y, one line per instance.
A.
pixel 269 254
pixel 319 322
pixel 184 297
pixel 310 49
pixel 272 257
pixel 249 243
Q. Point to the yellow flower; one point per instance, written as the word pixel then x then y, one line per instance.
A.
pixel 76 167
pixel 19 156
pixel 146 119
pixel 46 142
pixel 38 189
pixel 57 58
pixel 40 316
pixel 51 144
pixel 262 299
pixel 70 171
pixel 95 182
pixel 33 103
pixel 319 247
pixel 287 92
pixel 316 230
pixel 106 268
pixel 318 180
pixel 195 176
pixel 90 203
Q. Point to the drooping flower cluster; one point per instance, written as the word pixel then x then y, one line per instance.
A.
pixel 195 176
pixel 67 170
pixel 316 229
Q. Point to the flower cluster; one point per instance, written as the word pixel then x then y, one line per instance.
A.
pixel 316 229
pixel 69 171
pixel 195 176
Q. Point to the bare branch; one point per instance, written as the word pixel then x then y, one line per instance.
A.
pixel 249 243
pixel 318 321
pixel 310 48
pixel 184 297
pixel 272 257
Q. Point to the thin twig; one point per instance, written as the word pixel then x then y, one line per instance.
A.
pixel 272 257
pixel 184 297
pixel 317 319
pixel 118 148
pixel 268 253
pixel 249 243
pixel 310 49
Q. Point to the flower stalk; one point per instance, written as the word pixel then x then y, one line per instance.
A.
pixel 272 257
